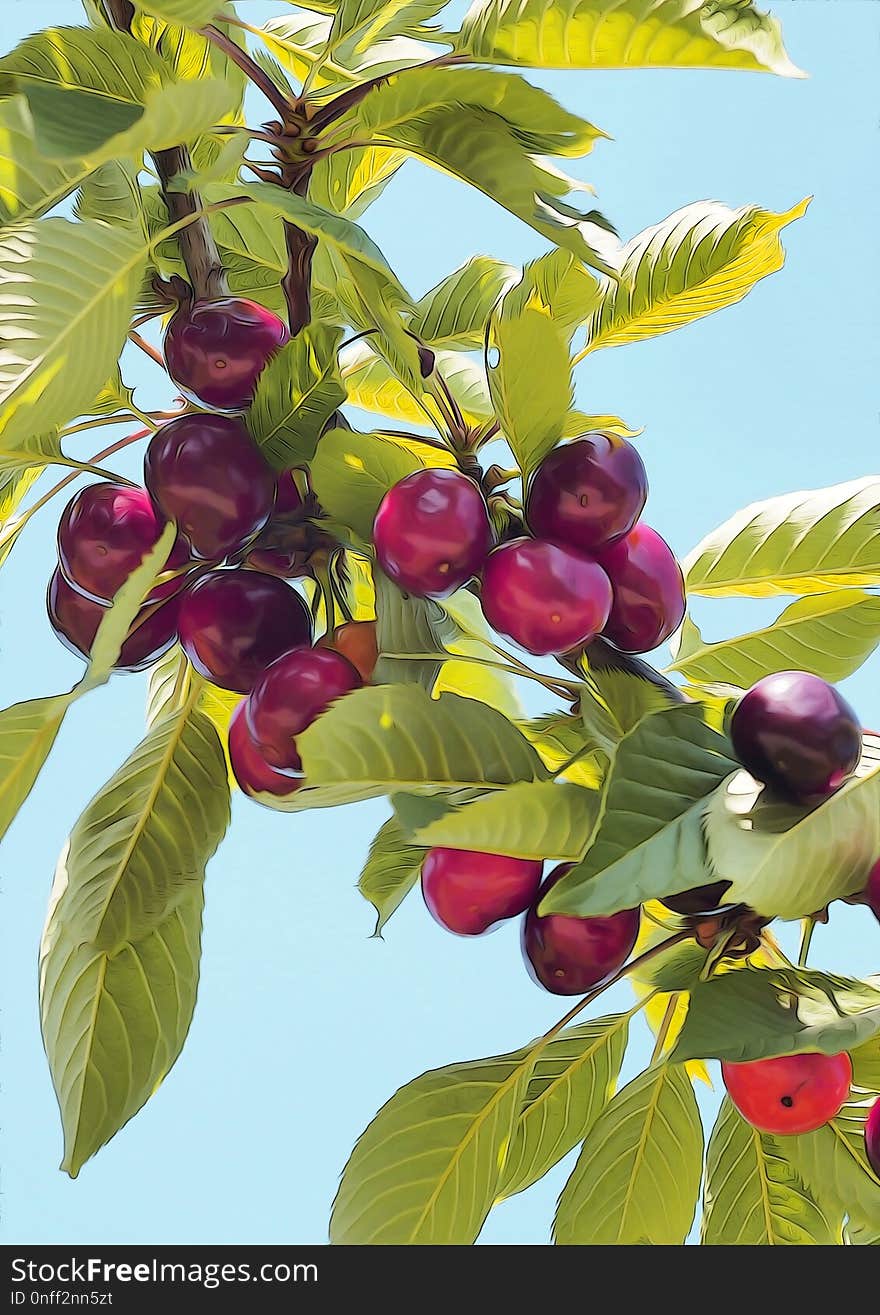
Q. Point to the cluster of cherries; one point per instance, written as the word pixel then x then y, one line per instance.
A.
pixel 587 566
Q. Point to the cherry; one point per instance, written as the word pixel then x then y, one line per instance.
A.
pixel 649 596
pixel 702 899
pixel 105 531
pixel 588 492
pixel 471 893
pixel 267 554
pixel 356 640
pixel 205 473
pixel 872 1137
pixel 234 623
pixel 794 732
pixel 872 890
pixel 75 620
pixel 432 532
pixel 216 350
pixel 790 1094
pixel 546 597
pixel 290 694
pixel 569 955
pixel 249 767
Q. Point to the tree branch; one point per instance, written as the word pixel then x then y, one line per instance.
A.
pixel 200 254
pixel 297 282
pixel 249 68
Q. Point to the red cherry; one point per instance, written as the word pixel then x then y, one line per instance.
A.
pixel 356 640
pixel 588 492
pixel 75 620
pixel 432 532
pixel 569 955
pixel 249 767
pixel 290 694
pixel 649 596
pixel 205 473
pixel 266 554
pixel 794 732
pixel 872 890
pixel 790 1094
pixel 234 623
pixel 216 350
pixel 105 531
pixel 872 1137
pixel 470 893
pixel 545 597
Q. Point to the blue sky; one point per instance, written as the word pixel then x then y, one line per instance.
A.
pixel 305 1026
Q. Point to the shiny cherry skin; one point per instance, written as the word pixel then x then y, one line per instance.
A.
pixel 267 553
pixel 249 767
pixel 216 350
pixel 105 531
pixel 872 1137
pixel 234 623
pixel 75 620
pixel 649 595
pixel 587 493
pixel 568 955
pixel 796 734
pixel 701 899
pixel 356 640
pixel 547 598
pixel 432 532
pixel 206 473
pixel 290 694
pixel 872 890
pixel 470 893
pixel 790 1094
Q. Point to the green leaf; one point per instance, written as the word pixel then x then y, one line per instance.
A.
pixel 532 819
pixel 752 1196
pixel 454 314
pixel 800 543
pixel 591 34
pixel 27 733
pixel 68 333
pixel 29 183
pixel 114 396
pixel 372 385
pixel 112 194
pixel 697 261
pixel 647 840
pixel 572 1080
pixel 866 1065
pixel 426 1170
pixel 361 23
pixel 785 861
pixel 558 281
pixel 350 181
pixel 296 395
pixel 405 624
pixel 638 1176
pixel 396 737
pixel 762 1012
pixel 116 622
pixel 19 470
pixel 390 872
pixel 192 13
pixel 833 1164
pixel 528 346
pixel 143 842
pixel 113 1025
pixel 558 736
pixel 374 304
pixel 830 635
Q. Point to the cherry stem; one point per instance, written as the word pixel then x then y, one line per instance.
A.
pixel 663 1030
pixel 147 347
pixel 808 926
pixel 249 68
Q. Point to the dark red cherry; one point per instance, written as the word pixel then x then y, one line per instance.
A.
pixel 205 473
pixel 234 623
pixel 249 767
pixel 568 955
pixel 75 620
pixel 790 1094
pixel 546 597
pixel 649 596
pixel 105 531
pixel 432 532
pixel 290 694
pixel 587 493
pixel 216 350
pixel 794 732
pixel 268 552
pixel 872 890
pixel 702 899
pixel 872 1137
pixel 469 893
pixel 356 640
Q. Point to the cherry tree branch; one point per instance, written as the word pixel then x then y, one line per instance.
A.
pixel 249 68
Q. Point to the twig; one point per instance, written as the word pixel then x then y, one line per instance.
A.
pixel 249 68
pixel 150 350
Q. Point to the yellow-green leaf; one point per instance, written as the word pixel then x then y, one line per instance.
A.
pixel 27 733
